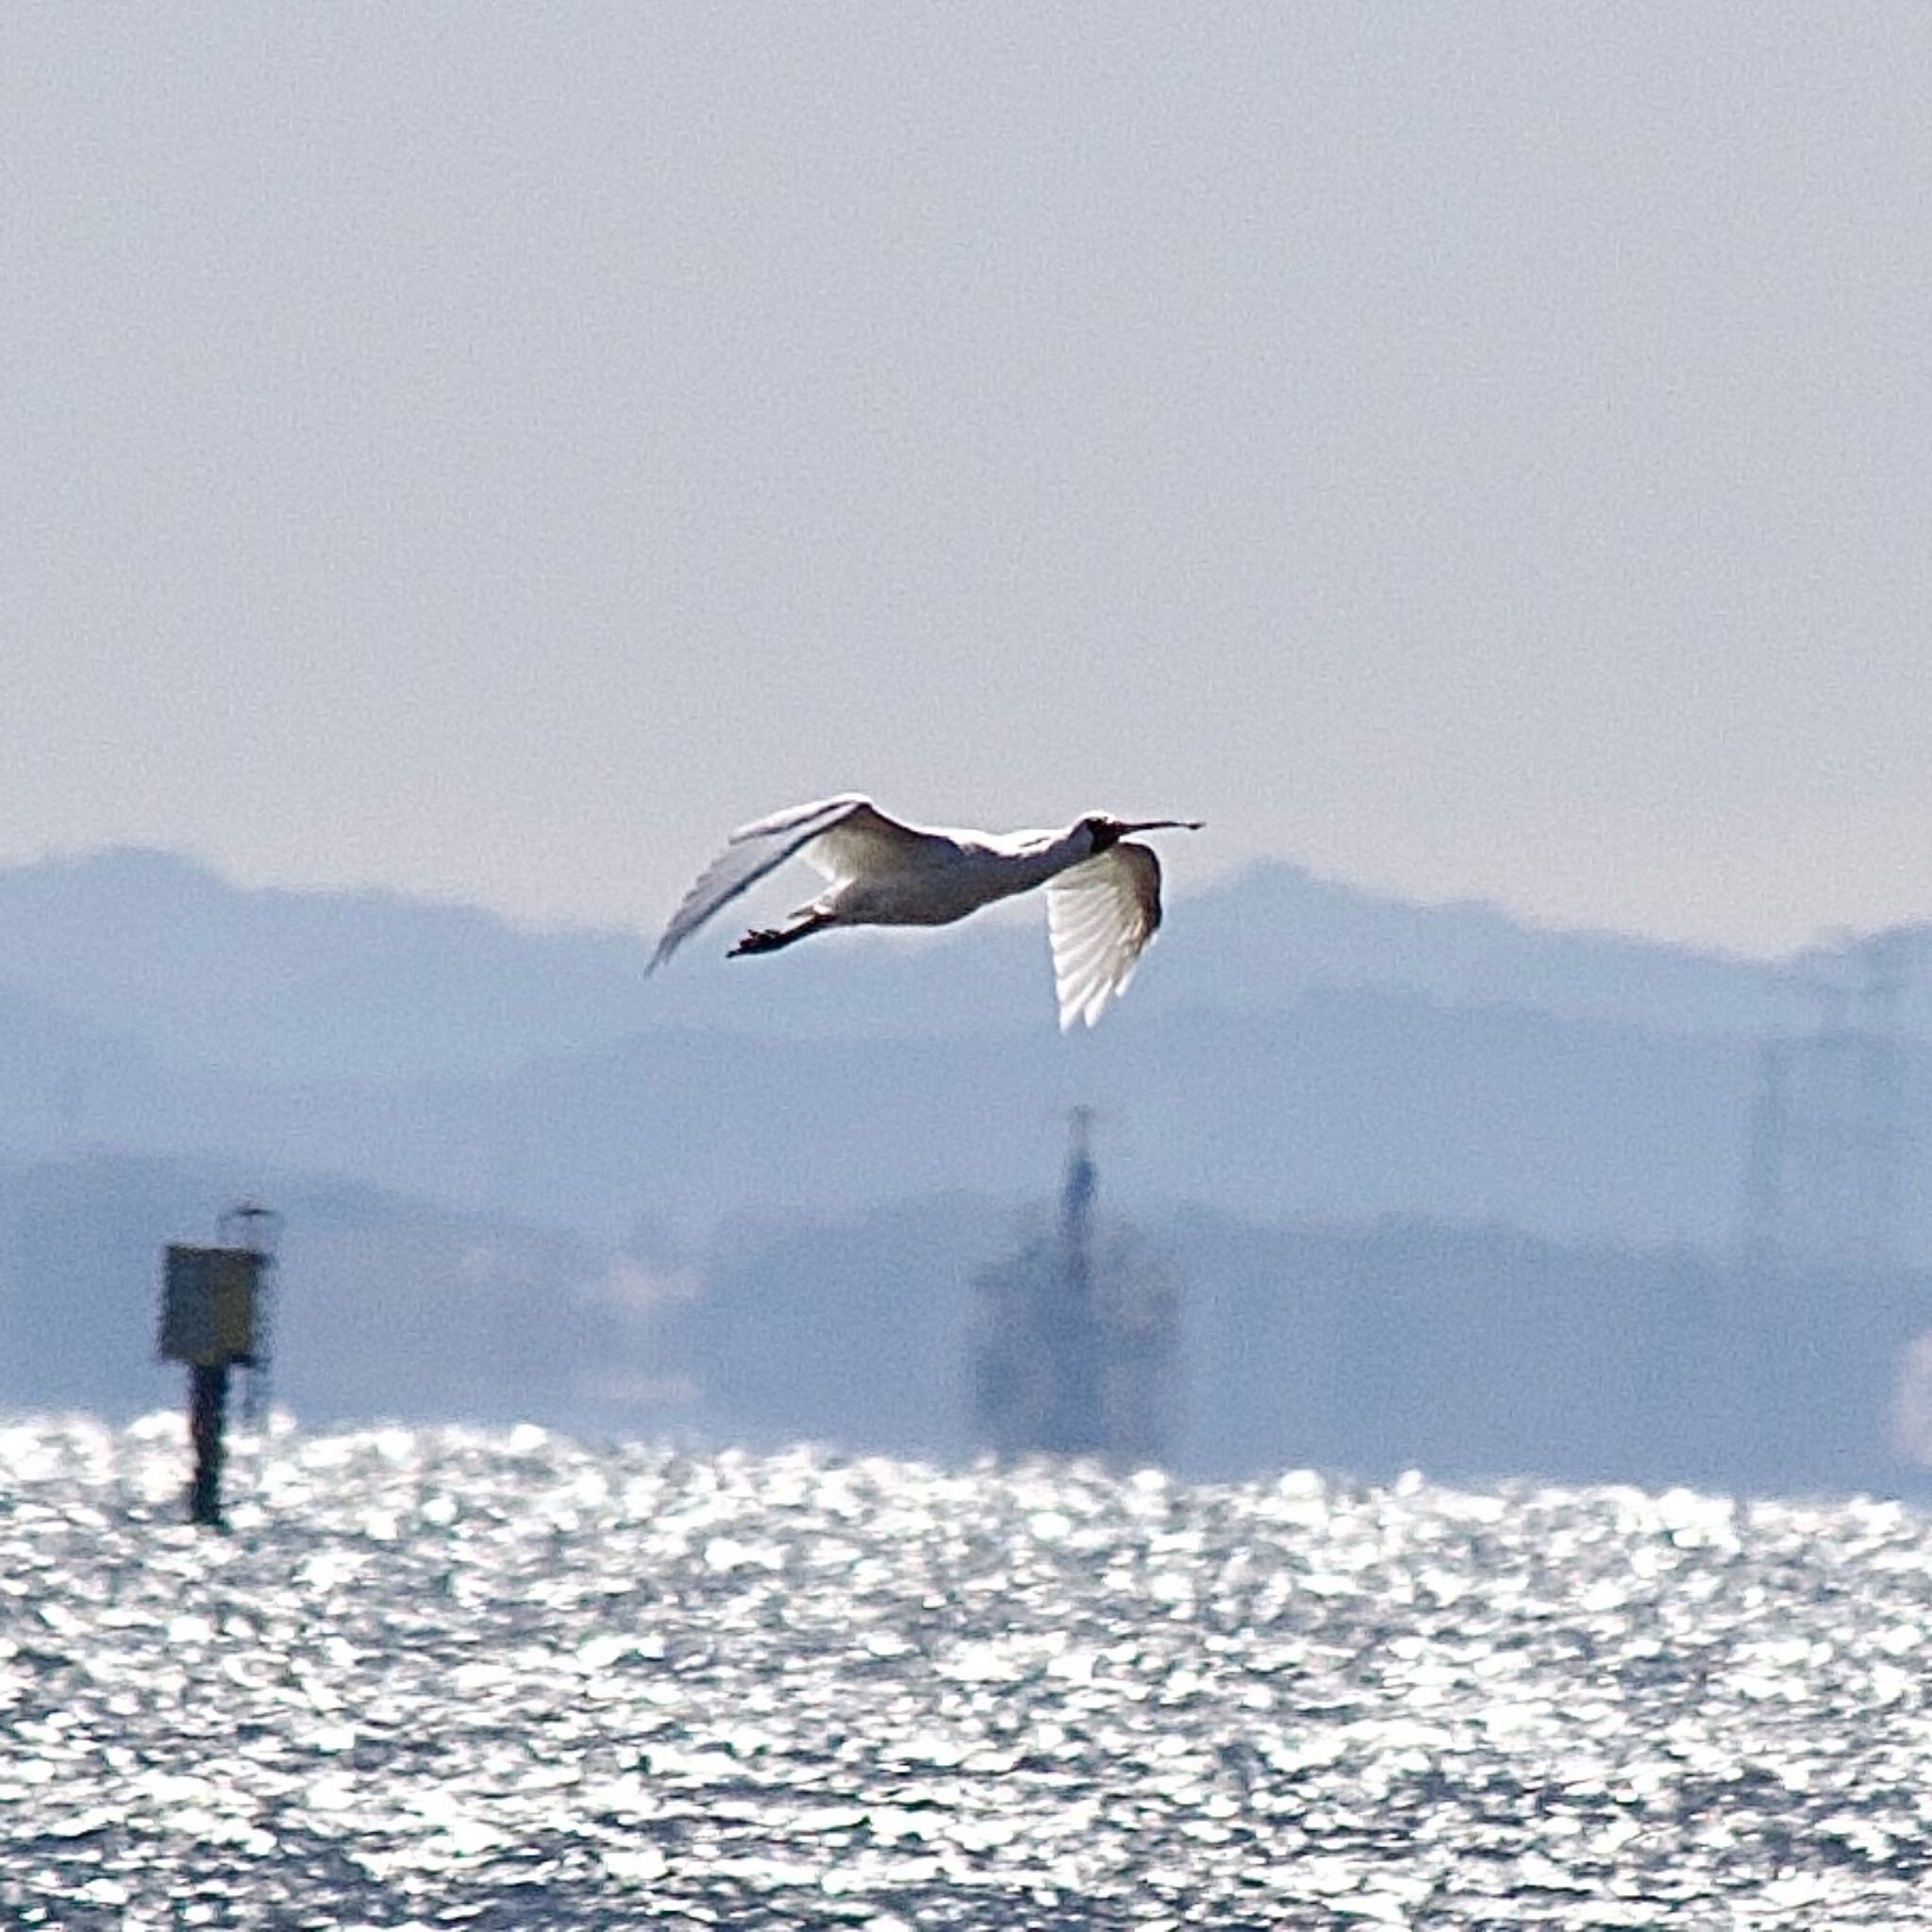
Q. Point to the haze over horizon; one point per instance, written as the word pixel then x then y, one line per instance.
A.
pixel 1471 452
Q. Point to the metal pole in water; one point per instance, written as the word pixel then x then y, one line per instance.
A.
pixel 208 1415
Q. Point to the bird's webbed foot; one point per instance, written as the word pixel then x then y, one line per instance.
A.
pixel 767 939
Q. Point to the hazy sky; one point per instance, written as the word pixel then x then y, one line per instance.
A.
pixel 1473 450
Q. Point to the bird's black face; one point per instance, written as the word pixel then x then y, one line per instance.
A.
pixel 1103 832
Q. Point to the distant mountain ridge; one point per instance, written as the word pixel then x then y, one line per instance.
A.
pixel 280 984
pixel 276 983
pixel 1294 1048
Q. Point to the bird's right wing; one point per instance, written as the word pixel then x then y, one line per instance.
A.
pixel 1100 915
pixel 752 851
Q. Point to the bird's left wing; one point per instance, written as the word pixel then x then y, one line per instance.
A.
pixel 865 840
pixel 754 850
pixel 1100 915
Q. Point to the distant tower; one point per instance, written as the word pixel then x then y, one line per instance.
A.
pixel 1828 1125
pixel 1078 1335
pixel 1072 1420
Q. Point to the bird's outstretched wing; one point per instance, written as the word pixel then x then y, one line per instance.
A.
pixel 865 840
pixel 840 830
pixel 1100 915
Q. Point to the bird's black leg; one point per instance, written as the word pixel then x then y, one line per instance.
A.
pixel 770 939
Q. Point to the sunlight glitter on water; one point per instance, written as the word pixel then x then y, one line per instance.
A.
pixel 505 1679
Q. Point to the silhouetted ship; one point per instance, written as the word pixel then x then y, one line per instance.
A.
pixel 1077 1347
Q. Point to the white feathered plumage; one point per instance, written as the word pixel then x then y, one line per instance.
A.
pixel 1103 901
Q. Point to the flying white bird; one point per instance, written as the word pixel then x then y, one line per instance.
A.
pixel 1103 891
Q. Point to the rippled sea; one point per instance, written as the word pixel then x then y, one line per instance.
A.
pixel 440 1677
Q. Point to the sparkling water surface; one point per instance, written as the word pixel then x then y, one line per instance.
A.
pixel 448 1677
